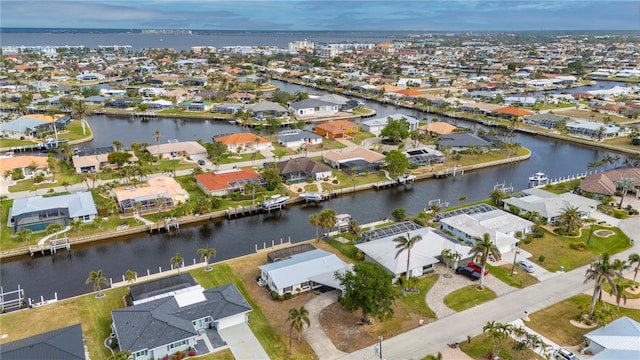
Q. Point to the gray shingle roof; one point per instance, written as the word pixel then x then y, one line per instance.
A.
pixel 310 103
pixel 65 343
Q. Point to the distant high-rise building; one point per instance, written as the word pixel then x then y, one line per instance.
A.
pixel 304 45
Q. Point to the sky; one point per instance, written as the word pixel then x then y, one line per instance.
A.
pixel 325 15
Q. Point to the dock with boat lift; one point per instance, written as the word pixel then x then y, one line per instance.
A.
pixel 405 180
pixel 52 247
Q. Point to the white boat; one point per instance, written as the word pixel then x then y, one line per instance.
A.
pixel 275 201
pixel 538 179
pixel 312 196
pixel 342 221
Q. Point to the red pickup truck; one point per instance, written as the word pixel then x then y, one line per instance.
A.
pixel 477 267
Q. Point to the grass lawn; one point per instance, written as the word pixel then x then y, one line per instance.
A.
pixel 597 117
pixel 520 279
pixel 5 143
pixel 94 315
pixel 563 187
pixel 347 249
pixel 73 131
pixel 234 158
pixel 416 301
pixel 468 297
pixel 358 138
pixel 553 321
pixel 557 252
pixel 480 347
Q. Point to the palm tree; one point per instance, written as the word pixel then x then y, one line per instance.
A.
pixel 625 184
pixel 634 259
pixel 328 219
pixel 53 228
pixel 298 318
pixel 620 292
pixel 156 134
pixel 79 111
pixel 438 356
pixel 570 218
pixel 497 197
pixel 176 261
pixel 484 247
pixel 406 243
pixel 24 235
pixel 355 229
pixel 97 221
pixel 498 333
pixel 206 254
pixel 130 276
pixel 315 221
pixel 601 271
pixel 96 278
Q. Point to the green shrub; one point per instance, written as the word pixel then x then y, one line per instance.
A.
pixel 541 259
pixel 275 296
pixel 288 296
pixel 579 246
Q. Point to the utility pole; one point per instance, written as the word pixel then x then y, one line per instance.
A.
pixel 515 254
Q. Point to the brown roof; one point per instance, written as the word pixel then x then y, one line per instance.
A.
pixel 439 127
pixel 221 180
pixel 512 111
pixel 605 182
pixel 337 126
pixel 241 138
pixel 336 156
pixel 14 162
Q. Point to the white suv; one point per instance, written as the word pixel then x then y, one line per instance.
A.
pixel 564 354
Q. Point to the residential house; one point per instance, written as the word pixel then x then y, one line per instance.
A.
pixel 354 161
pixel 301 169
pixel 242 97
pixel 157 195
pixel 222 183
pixel 337 129
pixel 196 105
pixel 151 290
pixel 501 226
pixel 511 113
pixel 33 125
pixel 616 340
pixel 424 157
pixel 313 107
pixel 159 104
pixel 344 103
pixel 297 139
pixel 592 129
pixel 549 121
pixel 173 150
pixel 303 272
pixel 424 254
pixel 438 128
pixel 549 205
pixel 606 183
pixel 267 109
pixel 64 343
pixel 37 212
pixel 462 142
pixel 175 323
pixel 29 165
pixel 376 125
pixel 227 108
pixel 94 160
pixel 243 143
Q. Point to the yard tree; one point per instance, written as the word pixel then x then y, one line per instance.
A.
pixel 399 214
pixel 315 221
pixel 206 254
pixel 118 158
pixel 176 261
pixel 498 333
pixel 397 163
pixel 368 288
pixel 570 219
pixel 328 219
pixel 216 150
pixel 396 130
pixel 24 235
pixel 484 247
pixel 156 135
pixel 497 197
pixel 271 175
pixel 130 276
pixel 406 243
pixel 634 262
pixel 297 319
pixel 601 271
pixel 625 184
pixel 96 278
pixel 53 228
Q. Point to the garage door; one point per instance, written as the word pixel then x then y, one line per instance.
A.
pixel 230 321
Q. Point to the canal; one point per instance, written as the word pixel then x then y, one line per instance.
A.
pixel 66 274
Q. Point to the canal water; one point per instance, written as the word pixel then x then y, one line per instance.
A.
pixel 64 274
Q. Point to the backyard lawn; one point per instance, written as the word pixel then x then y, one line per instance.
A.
pixel 557 252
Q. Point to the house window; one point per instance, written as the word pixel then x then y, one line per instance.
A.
pixel 305 285
pixel 177 344
pixel 140 353
pixel 288 289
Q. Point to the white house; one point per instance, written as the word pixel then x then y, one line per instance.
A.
pixel 294 139
pixel 549 205
pixel 303 272
pixel 617 340
pixel 376 125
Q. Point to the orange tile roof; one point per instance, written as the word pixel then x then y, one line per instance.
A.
pixel 242 138
pixel 221 180
pixel 15 162
pixel 337 126
pixel 439 127
pixel 512 111
pixel 409 92
pixel 43 117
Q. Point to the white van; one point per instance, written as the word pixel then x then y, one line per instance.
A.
pixel 564 354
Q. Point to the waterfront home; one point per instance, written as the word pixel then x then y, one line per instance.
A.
pixel 424 254
pixel 242 97
pixel 511 113
pixel 592 129
pixel 547 120
pixel 64 343
pixel 376 125
pixel 225 182
pixel 267 109
pixel 300 169
pixel 478 108
pixel 501 226
pixel 462 142
pixel 354 161
pixel 33 125
pixel 606 183
pixel 141 293
pixel 158 194
pixel 90 76
pixel 37 212
pixel 437 128
pixel 94 160
pixel 424 157
pixel 197 105
pixel 303 272
pixel 549 205
pixel 158 104
pixel 95 100
pixel 343 102
pixel 30 166
pixel 186 320
pixel 172 150
pixel 244 143
pixel 227 108
pixel 296 139
pixel 616 340
pixel 314 107
pixel 337 129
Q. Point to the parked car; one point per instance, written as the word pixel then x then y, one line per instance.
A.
pixel 477 267
pixel 468 272
pixel 526 266
pixel 201 162
pixel 564 354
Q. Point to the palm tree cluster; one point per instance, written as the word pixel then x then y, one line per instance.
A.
pixel 323 221
pixel 606 271
pixel 606 160
pixel 523 340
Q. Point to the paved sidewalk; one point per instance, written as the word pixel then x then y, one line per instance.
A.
pixel 315 335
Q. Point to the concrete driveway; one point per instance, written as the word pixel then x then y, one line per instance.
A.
pixel 243 343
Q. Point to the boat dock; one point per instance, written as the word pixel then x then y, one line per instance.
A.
pixel 12 300
pixel 457 170
pixel 52 247
pixel 406 180
pixel 242 211
pixel 315 198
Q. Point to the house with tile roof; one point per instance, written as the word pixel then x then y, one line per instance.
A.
pixel 64 343
pixel 187 319
pixel 510 112
pixel 25 164
pixel 546 120
pixel 179 149
pixel 438 128
pixel 354 160
pixel 244 143
pixel 37 212
pixel 301 169
pixel 605 183
pixel 222 183
pixel 616 340
pixel 337 129
pixel 158 194
pixel 303 272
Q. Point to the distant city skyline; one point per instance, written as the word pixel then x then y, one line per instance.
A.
pixel 325 15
